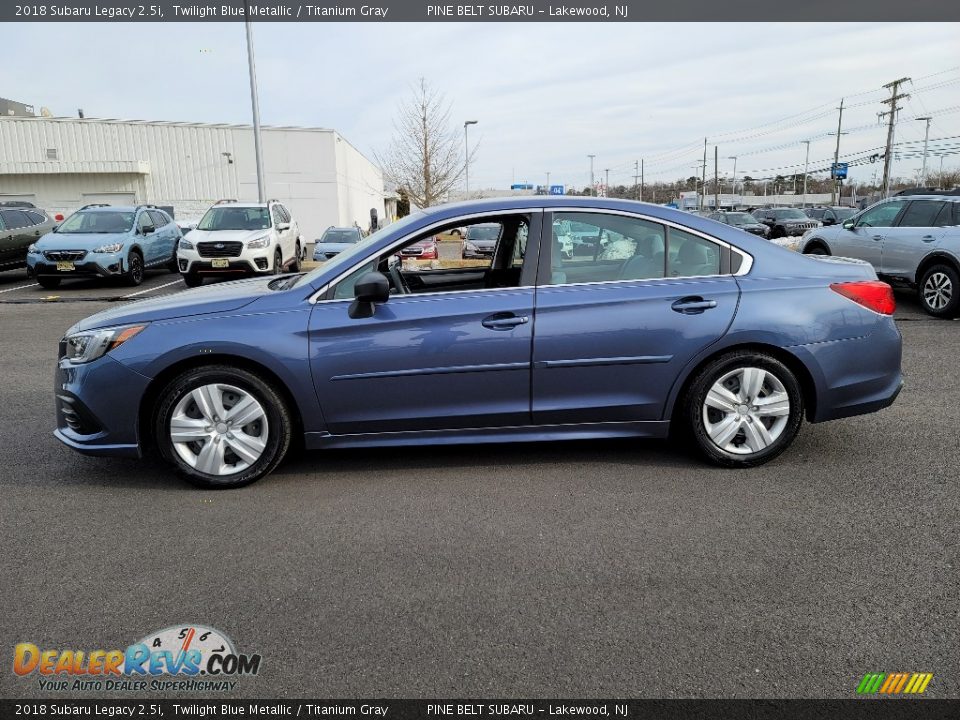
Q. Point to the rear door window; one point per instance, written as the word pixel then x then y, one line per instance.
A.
pixel 921 213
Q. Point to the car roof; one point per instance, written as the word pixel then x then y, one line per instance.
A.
pixel 343 227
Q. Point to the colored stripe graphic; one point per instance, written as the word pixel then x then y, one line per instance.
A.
pixel 894 683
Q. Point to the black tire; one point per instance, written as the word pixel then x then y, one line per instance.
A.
pixel 192 280
pixel 174 266
pixel 279 425
pixel 134 274
pixel 693 409
pixel 939 291
pixel 778 232
pixel 48 282
pixel 295 265
pixel 816 250
pixel 277 262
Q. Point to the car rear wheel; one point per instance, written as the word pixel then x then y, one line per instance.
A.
pixel 940 291
pixel 295 266
pixel 816 250
pixel 48 282
pixel 744 409
pixel 222 427
pixel 134 274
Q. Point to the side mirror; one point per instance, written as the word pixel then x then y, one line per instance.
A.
pixel 828 221
pixel 147 229
pixel 54 228
pixel 848 224
pixel 370 289
pixel 283 226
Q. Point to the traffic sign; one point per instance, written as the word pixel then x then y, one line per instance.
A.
pixel 839 170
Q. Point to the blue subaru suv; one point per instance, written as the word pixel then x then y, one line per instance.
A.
pixel 105 241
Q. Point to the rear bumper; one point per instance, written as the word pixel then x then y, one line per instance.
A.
pixel 856 376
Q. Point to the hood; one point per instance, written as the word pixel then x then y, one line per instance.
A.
pixel 331 246
pixel 243 236
pixel 219 298
pixel 485 243
pixel 79 241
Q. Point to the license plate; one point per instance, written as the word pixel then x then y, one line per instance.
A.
pixel 65 266
pixel 220 263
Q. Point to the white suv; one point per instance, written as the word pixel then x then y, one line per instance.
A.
pixel 236 238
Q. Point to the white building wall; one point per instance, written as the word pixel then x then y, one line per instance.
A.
pixel 320 177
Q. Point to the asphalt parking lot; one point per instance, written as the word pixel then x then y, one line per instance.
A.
pixel 618 569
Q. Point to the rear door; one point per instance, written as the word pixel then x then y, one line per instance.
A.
pixel 166 232
pixel 612 333
pixel 18 234
pixel 918 230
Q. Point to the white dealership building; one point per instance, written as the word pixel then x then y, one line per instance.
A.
pixel 60 164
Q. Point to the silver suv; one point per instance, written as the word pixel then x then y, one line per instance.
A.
pixel 912 239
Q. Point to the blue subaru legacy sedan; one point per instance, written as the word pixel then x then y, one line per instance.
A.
pixel 661 322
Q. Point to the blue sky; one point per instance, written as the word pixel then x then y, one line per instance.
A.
pixel 545 95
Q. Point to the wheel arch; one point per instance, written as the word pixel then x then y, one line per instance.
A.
pixel 935 258
pixel 816 242
pixel 146 418
pixel 795 364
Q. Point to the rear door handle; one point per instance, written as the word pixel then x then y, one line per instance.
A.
pixel 504 321
pixel 692 305
pixel 878 237
pixel 928 238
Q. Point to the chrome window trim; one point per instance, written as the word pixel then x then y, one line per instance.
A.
pixel 487 213
pixel 746 262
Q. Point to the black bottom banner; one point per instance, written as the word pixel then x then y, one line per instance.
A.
pixel 480 709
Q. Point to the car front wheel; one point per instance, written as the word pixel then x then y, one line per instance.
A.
pixel 744 409
pixel 134 274
pixel 222 427
pixel 940 291
pixel 47 282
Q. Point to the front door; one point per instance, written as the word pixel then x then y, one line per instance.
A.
pixel 613 330
pixel 865 239
pixel 434 356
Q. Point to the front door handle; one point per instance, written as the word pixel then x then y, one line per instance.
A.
pixel 692 305
pixel 928 238
pixel 878 237
pixel 504 321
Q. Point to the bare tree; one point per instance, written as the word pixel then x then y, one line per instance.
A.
pixel 426 155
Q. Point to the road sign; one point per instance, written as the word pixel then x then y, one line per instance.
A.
pixel 839 170
pixel 522 186
pixel 556 189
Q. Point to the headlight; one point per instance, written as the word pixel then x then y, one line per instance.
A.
pixel 260 242
pixel 82 347
pixel 185 244
pixel 32 250
pixel 111 248
pixel 471 246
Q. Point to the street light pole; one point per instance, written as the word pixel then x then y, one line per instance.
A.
pixel 548 183
pixel 466 153
pixel 591 172
pixel 926 139
pixel 255 106
pixel 606 184
pixel 734 189
pixel 806 164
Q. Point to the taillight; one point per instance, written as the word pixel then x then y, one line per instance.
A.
pixel 872 294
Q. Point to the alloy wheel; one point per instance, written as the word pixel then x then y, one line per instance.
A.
pixel 746 410
pixel 937 291
pixel 219 429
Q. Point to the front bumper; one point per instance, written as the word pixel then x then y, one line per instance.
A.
pixel 249 263
pixel 93 265
pixel 98 407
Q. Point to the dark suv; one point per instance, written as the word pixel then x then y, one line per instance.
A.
pixel 785 221
pixel 743 220
pixel 830 215
pixel 20 226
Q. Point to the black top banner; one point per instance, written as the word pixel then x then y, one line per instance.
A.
pixel 214 709
pixel 442 11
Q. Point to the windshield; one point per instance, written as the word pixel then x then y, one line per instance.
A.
pixel 741 219
pixel 235 218
pixel 484 232
pixel 98 222
pixel 789 214
pixel 350 256
pixel 340 236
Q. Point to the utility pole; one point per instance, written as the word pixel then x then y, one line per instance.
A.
pixel 606 184
pixel 733 190
pixel 255 107
pixel 836 158
pixel 548 182
pixel 704 180
pixel 926 139
pixel 892 112
pixel 466 152
pixel 591 173
pixel 806 164
pixel 635 176
pixel 716 180
pixel 641 181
